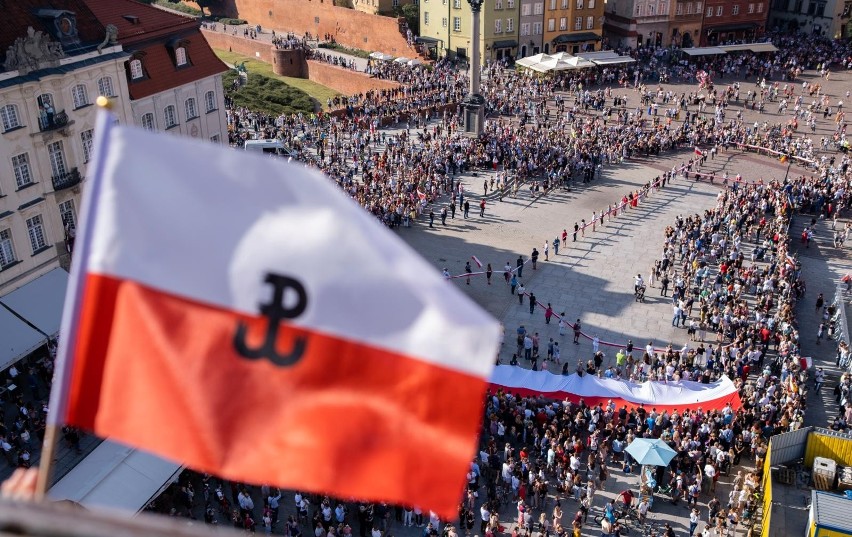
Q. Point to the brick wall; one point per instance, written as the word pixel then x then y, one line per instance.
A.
pixel 349 27
pixel 345 81
pixel 260 50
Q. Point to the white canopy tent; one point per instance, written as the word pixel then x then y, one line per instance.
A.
pixel 413 62
pixel 381 56
pixel 703 51
pixel 529 61
pixel 402 59
pixel 754 47
pixel 41 301
pixel 599 55
pixel 613 61
pixel 116 476
pixel 551 64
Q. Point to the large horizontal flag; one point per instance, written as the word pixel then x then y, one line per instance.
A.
pixel 244 317
pixel 593 390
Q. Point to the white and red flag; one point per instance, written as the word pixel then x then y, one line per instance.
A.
pixel 477 261
pixel 242 316
pixel 699 152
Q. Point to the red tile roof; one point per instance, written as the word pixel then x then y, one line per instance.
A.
pixel 149 30
pixel 18 15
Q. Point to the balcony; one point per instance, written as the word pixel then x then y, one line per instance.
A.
pixel 59 120
pixel 66 180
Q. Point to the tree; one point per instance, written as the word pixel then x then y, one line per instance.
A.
pixel 209 4
pixel 411 12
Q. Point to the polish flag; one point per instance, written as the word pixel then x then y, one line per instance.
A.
pixel 593 390
pixel 242 316
pixel 477 261
pixel 699 152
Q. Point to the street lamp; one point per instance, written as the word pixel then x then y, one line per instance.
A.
pixel 474 103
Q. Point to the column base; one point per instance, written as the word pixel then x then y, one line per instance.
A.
pixel 474 114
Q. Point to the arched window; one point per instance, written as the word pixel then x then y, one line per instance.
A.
pixel 80 95
pixel 191 109
pixel 136 69
pixel 10 118
pixel 148 121
pixel 105 87
pixel 210 100
pixel 180 56
pixel 170 116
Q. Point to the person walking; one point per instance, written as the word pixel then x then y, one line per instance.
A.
pixel 556 246
pixel 453 211
pixel 577 332
pixel 513 284
pixel 576 229
pixel 468 270
pixel 820 301
pixel 466 208
pixel 521 291
pixel 488 273
pixel 532 303
pixel 548 313
pixel 444 216
pixel 546 249
pixel 534 257
pixel 507 273
pixel 431 218
pixel 482 208
pixel 520 265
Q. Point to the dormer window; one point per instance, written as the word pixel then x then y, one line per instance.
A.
pixel 180 56
pixel 136 71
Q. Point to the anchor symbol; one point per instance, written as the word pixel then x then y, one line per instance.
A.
pixel 275 312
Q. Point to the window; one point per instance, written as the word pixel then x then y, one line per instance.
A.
pixel 169 116
pixel 510 4
pixel 720 10
pixel 538 8
pixel 444 22
pixel 590 23
pixel 510 25
pixel 552 5
pixel 105 87
pixel 591 4
pixel 563 23
pixel 579 4
pixel 525 10
pixel 679 9
pixel 9 115
pixel 735 10
pixel 564 4
pixel 578 23
pixel 210 99
pixel 709 11
pixel 57 158
pixel 457 4
pixel 7 250
pixel 180 56
pixel 760 8
pixel 525 28
pixel 538 28
pixel 215 138
pixel 35 229
pixel 87 137
pixel 637 10
pixel 136 69
pixel 68 214
pixel 697 7
pixel 498 4
pixel 551 25
pixel 457 24
pixel 498 26
pixel 21 165
pixel 80 96
pixel 751 8
pixel 652 9
pixel 426 18
pixel 148 121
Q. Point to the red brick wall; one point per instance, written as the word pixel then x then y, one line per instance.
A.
pixel 348 26
pixel 345 81
pixel 239 45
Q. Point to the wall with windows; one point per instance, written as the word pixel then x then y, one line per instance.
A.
pixel 46 134
pixel 196 110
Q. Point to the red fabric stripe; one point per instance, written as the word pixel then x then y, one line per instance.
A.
pixel 712 404
pixel 159 372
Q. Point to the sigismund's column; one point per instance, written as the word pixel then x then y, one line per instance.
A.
pixel 474 103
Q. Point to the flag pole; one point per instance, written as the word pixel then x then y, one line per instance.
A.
pixel 58 396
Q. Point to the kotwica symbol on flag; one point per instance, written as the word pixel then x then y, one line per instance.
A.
pixel 275 312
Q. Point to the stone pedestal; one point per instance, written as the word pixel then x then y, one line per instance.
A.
pixel 474 114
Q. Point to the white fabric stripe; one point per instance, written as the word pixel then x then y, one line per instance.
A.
pixel 192 220
pixel 649 393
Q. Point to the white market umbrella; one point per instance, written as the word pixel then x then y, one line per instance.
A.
pixel 402 59
pixel 651 452
pixel 414 62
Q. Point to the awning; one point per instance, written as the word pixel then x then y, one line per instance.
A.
pixel 426 40
pixel 19 338
pixel 116 476
pixel 599 55
pixel 614 61
pixel 505 43
pixel 576 38
pixel 730 27
pixel 703 51
pixel 41 301
pixel 754 47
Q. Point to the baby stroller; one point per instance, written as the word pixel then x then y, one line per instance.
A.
pixel 639 293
